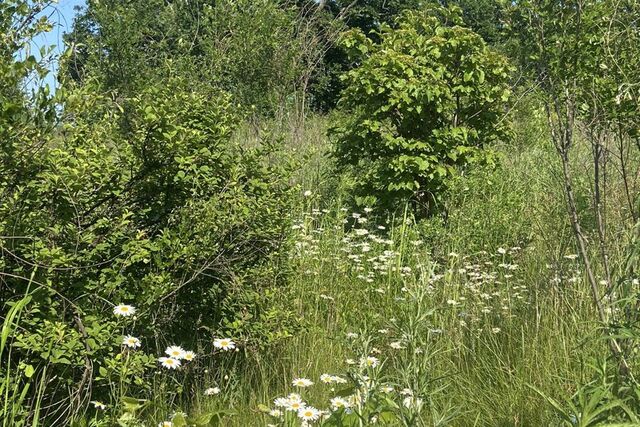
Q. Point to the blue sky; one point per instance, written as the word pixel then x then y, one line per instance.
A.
pixel 61 16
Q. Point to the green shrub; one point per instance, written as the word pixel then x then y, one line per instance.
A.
pixel 142 201
pixel 424 101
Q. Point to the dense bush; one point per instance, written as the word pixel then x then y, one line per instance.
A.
pixel 143 201
pixel 424 100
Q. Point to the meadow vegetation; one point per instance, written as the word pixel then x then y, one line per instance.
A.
pixel 291 213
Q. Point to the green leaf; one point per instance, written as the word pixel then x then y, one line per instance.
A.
pixel 179 420
pixel 29 371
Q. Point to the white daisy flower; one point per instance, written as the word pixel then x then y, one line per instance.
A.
pixel 295 405
pixel 98 405
pixel 169 362
pixel 386 389
pixel 165 424
pixel 175 352
pixel 124 310
pixel 308 413
pixel 294 397
pixel 339 403
pixel 281 402
pixel 131 342
pixel 369 362
pixel 211 391
pixel 326 378
pixel 224 344
pixel 275 413
pixel 189 356
pixel 412 402
pixel 302 382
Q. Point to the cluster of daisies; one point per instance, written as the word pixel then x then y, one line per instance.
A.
pixel 175 355
pixel 306 413
pixel 294 403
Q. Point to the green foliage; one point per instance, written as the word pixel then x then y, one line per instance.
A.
pixel 142 200
pixel 19 23
pixel 247 48
pixel 482 16
pixel 424 101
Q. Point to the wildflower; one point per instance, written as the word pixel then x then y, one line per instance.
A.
pixel 452 302
pixel 281 402
pixel 502 251
pixel 224 344
pixel 350 362
pixel 369 362
pixel 571 257
pixel 175 352
pixel 495 330
pixel 386 389
pixel 397 345
pixel 339 403
pixel 169 362
pixel 302 382
pixel 326 378
pixel 165 424
pixel 275 413
pixel 412 402
pixel 295 405
pixel 99 405
pixel 131 342
pixel 189 356
pixel 294 397
pixel 211 391
pixel 308 413
pixel 124 310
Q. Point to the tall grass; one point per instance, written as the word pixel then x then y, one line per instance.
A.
pixel 482 356
pixel 17 378
pixel 479 317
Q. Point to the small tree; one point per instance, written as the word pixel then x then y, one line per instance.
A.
pixel 423 102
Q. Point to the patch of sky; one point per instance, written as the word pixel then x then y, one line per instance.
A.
pixel 60 14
